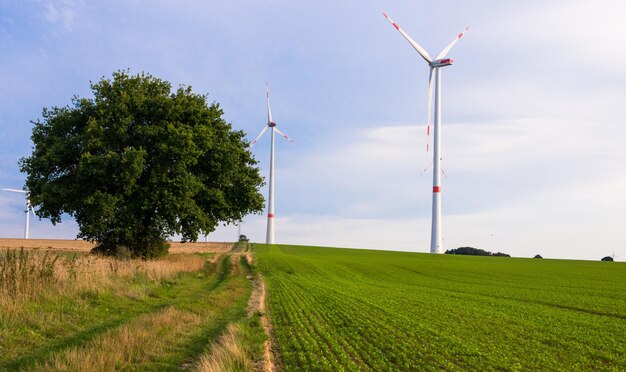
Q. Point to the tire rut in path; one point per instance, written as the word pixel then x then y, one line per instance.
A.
pixel 256 303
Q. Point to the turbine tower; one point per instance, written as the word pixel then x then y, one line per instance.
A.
pixel 28 209
pixel 270 237
pixel 436 241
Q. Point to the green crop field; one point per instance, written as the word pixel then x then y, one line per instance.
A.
pixel 336 309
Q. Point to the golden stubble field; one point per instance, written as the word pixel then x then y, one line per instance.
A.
pixel 84 246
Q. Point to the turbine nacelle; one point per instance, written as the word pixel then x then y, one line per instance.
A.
pixel 271 124
pixel 442 62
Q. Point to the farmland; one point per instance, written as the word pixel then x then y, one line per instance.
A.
pixel 64 309
pixel 372 310
pixel 331 309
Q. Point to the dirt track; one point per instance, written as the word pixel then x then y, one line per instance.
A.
pixel 83 246
pixel 257 303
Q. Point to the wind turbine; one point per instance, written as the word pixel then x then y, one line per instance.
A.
pixel 28 209
pixel 270 237
pixel 436 244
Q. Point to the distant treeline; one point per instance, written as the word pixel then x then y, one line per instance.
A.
pixel 475 252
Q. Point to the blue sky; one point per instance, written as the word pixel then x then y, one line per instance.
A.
pixel 533 111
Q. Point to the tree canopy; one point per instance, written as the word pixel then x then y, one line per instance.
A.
pixel 471 251
pixel 139 162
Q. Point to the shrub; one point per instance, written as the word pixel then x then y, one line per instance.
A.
pixel 470 251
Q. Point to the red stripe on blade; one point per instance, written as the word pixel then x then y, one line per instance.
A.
pixel 436 188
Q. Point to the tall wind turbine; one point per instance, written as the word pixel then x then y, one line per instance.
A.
pixel 436 244
pixel 270 237
pixel 29 208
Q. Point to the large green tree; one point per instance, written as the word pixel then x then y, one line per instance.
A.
pixel 139 162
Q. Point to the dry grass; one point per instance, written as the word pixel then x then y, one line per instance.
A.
pixel 57 273
pixel 146 340
pixel 123 347
pixel 47 244
pixel 229 353
pixel 155 270
pixel 199 247
pixel 84 246
pixel 32 267
pixel 22 274
pixel 28 274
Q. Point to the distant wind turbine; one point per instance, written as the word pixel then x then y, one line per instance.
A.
pixel 270 237
pixel 29 208
pixel 436 243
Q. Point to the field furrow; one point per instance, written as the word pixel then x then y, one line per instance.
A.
pixel 346 309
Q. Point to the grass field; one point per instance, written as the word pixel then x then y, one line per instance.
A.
pixel 63 309
pixel 336 309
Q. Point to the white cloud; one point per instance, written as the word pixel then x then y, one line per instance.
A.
pixel 521 186
pixel 533 131
pixel 565 33
pixel 61 12
pixel 333 231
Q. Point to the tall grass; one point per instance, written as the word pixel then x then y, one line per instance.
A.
pixel 229 353
pixel 26 274
pixel 166 338
pixel 58 300
pixel 23 273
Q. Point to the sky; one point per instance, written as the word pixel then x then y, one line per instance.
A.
pixel 533 134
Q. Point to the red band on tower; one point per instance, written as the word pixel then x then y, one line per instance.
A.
pixel 436 188
pixel 270 215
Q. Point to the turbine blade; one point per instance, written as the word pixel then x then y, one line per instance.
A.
pixel 33 210
pixel 269 109
pixel 430 107
pixel 283 134
pixel 257 137
pixel 447 49
pixel 15 190
pixel 415 45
